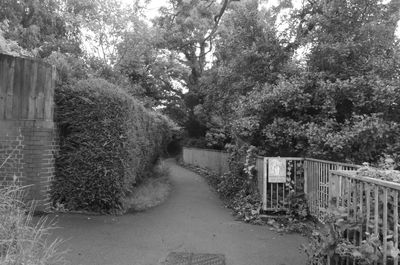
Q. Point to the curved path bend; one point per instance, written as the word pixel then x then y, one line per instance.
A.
pixel 193 219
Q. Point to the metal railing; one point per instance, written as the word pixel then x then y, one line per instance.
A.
pixel 371 203
pixel 307 175
pixel 316 188
pixel 328 186
pixel 276 196
pixel 304 175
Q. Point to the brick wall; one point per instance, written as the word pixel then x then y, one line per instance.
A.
pixel 11 157
pixel 30 147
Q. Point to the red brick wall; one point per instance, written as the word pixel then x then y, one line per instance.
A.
pixel 33 144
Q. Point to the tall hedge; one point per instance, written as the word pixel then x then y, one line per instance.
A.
pixel 108 141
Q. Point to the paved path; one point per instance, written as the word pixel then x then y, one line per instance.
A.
pixel 193 219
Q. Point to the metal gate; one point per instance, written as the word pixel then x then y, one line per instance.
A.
pixel 281 181
pixel 303 176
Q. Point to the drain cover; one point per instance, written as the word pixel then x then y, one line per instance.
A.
pixel 185 258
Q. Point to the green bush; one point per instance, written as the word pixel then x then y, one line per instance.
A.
pixel 108 141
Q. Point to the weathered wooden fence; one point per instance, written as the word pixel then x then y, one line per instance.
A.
pixel 216 161
pixel 27 131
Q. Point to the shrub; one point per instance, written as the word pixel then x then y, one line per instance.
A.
pixel 20 241
pixel 240 179
pixel 195 142
pixel 108 141
pixel 363 138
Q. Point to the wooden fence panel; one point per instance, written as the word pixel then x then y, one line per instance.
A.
pixel 26 89
pixel 216 161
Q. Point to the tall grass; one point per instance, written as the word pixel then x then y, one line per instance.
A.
pixel 24 241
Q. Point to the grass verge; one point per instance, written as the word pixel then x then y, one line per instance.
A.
pixel 21 240
pixel 152 191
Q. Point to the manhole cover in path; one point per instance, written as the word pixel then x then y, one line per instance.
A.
pixel 185 258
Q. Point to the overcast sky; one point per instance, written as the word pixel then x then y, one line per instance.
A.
pixel 154 5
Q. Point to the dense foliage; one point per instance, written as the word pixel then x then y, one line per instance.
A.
pixel 320 80
pixel 108 141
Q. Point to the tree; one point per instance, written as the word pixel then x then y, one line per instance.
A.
pixel 108 23
pixel 247 54
pixel 188 28
pixel 349 38
pixel 40 26
pixel 344 104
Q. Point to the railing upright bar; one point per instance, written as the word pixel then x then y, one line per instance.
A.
pixel 368 206
pixel 325 172
pixel 376 211
pixel 339 198
pixel 321 184
pixel 283 191
pixel 310 189
pixel 316 189
pixel 396 224
pixel 355 192
pixel 272 192
pixel 265 183
pixel 385 223
pixel 348 202
pixel 361 209
pixel 324 185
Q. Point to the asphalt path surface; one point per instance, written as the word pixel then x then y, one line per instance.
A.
pixel 193 219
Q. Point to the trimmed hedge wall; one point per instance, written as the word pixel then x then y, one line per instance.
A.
pixel 108 142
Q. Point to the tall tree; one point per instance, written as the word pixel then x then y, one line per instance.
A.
pixel 108 23
pixel 247 54
pixel 39 26
pixel 343 104
pixel 349 38
pixel 188 28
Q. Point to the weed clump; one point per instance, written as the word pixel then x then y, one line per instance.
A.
pixel 22 239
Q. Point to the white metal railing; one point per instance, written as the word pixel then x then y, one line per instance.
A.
pixel 373 204
pixel 316 175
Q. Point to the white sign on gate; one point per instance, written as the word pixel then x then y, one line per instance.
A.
pixel 276 170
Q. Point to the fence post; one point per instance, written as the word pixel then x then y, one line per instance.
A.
pixel 265 179
pixel 305 165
